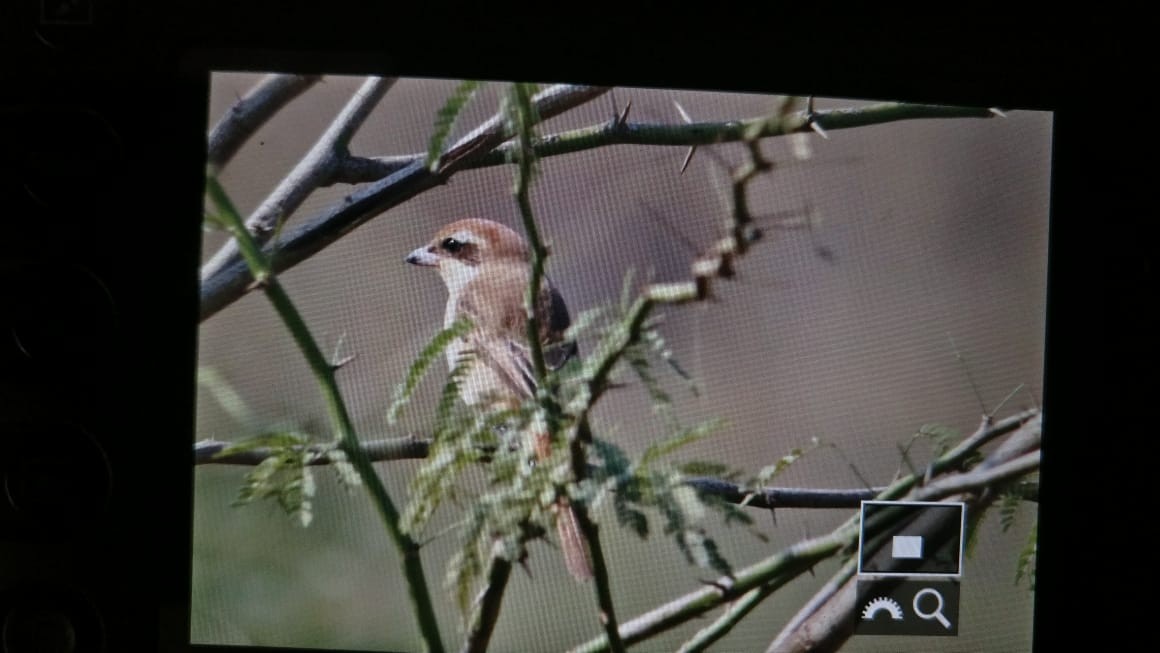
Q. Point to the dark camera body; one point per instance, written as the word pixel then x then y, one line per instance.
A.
pixel 102 143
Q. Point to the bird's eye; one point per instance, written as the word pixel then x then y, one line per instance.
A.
pixel 451 245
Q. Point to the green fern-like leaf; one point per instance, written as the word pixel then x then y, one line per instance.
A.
pixel 711 468
pixel 685 437
pixel 430 354
pixel 1008 509
pixel 702 550
pixel 941 437
pixel 450 395
pixel 462 440
pixel 767 474
pixel 225 395
pixel 445 120
pixel 639 363
pixel 615 464
pixel 630 517
pixel 284 476
pixel 466 564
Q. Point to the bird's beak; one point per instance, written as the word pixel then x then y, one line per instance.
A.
pixel 423 257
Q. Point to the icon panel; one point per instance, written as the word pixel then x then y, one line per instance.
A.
pixel 891 606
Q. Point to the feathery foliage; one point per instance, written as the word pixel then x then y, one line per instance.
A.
pixel 941 437
pixel 446 117
pixel 429 355
pixel 1025 565
pixel 283 476
pixel 225 395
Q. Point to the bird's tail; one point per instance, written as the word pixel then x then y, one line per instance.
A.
pixel 576 556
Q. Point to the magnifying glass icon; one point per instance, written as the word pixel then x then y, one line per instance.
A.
pixel 938 608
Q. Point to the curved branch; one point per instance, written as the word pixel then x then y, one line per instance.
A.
pixel 252 111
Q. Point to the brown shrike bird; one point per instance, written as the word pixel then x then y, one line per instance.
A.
pixel 486 269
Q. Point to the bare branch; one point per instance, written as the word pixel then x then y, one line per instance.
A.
pixel 249 113
pixel 313 171
pixel 208 452
pixel 485 613
pixel 774 497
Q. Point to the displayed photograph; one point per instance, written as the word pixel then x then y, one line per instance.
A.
pixel 491 365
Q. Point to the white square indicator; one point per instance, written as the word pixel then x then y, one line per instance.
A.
pixel 907 547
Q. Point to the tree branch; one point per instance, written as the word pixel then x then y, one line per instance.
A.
pixel 782 567
pixel 399 178
pixel 485 614
pixel 252 111
pixel 315 169
pixel 823 625
pixel 208 452
pixel 363 169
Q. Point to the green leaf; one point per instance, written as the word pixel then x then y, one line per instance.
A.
pixel 630 517
pixel 445 120
pixel 458 443
pixel 283 476
pixel 427 357
pixel 941 437
pixel 702 550
pixel 1025 565
pixel 684 438
pixel 1008 507
pixel 769 472
pixel 225 395
pixel 709 468
pixel 275 440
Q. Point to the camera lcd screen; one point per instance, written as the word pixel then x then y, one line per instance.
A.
pixel 448 325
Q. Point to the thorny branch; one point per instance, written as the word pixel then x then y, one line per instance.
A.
pixel 1006 465
pixel 396 179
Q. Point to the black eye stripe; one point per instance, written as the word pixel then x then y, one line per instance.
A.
pixel 451 245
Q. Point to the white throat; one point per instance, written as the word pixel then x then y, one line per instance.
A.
pixel 456 275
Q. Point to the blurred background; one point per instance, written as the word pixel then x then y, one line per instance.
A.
pixel 929 241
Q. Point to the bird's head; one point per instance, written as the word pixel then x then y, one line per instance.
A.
pixel 459 249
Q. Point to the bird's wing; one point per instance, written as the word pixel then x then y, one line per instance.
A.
pixel 499 339
pixel 554 316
